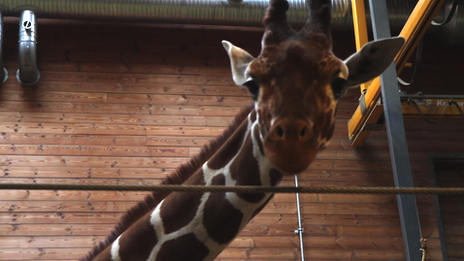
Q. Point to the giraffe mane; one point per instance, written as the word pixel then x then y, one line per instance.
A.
pixel 175 178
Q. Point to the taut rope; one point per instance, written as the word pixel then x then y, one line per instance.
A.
pixel 241 189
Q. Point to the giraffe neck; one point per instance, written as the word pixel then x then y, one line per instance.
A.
pixel 241 161
pixel 198 226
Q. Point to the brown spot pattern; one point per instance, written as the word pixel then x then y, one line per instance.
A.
pixel 221 219
pixel 196 179
pixel 179 209
pixel 233 145
pixel 137 242
pixel 261 207
pixel 245 170
pixel 219 180
pixel 186 247
pixel 276 177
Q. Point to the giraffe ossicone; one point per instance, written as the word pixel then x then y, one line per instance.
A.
pixel 295 83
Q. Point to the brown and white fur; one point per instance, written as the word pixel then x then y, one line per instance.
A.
pixel 295 82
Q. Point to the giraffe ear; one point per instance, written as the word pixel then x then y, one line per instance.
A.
pixel 239 61
pixel 372 60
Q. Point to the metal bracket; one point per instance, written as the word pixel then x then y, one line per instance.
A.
pixel 299 230
pixel 362 103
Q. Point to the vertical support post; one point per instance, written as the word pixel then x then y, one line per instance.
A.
pixel 441 230
pixel 397 143
pixel 3 71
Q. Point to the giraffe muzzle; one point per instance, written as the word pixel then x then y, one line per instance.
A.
pixel 291 130
pixel 290 145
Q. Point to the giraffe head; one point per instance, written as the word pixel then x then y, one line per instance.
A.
pixel 296 82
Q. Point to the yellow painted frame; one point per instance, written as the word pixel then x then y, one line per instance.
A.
pixel 360 28
pixel 432 108
pixel 413 30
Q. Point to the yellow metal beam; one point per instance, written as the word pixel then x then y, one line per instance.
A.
pixel 372 120
pixel 413 30
pixel 433 108
pixel 360 28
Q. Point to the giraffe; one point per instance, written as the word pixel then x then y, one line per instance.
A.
pixel 295 84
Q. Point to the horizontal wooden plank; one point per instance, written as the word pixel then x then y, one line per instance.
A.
pixel 119 109
pixel 105 67
pixel 113 218
pixel 155 99
pixel 83 172
pixel 181 141
pixel 416 147
pixel 356 165
pixel 445 126
pixel 270 253
pixel 90 161
pixel 312 254
pixel 19 127
pixel 37 117
pixel 89 241
pixel 103 229
pixel 41 254
pixel 385 243
pixel 150 34
pixel 131 49
pixel 49 242
pixel 98 206
pixel 142 129
pixel 338 154
pixel 85 150
pixel 80 195
pixel 78 107
pixel 111 181
pixel 178 99
pixel 309 178
pixel 264 217
pixel 56 229
pixel 126 78
pixel 79 139
pixel 25 95
pixel 143 179
pixel 71 195
pixel 136 87
pixel 21 206
pixel 169 58
pixel 454 240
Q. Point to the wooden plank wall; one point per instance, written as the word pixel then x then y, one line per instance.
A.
pixel 450 173
pixel 126 104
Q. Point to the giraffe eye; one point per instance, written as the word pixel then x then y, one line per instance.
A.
pixel 253 87
pixel 338 86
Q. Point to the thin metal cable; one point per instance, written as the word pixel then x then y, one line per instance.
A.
pixel 423 115
pixel 241 189
pixel 449 16
pixel 415 70
pixel 452 102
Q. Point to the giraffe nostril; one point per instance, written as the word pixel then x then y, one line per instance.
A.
pixel 280 131
pixel 303 132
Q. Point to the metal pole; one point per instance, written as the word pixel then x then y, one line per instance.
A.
pixel 441 230
pixel 3 71
pixel 300 229
pixel 397 143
